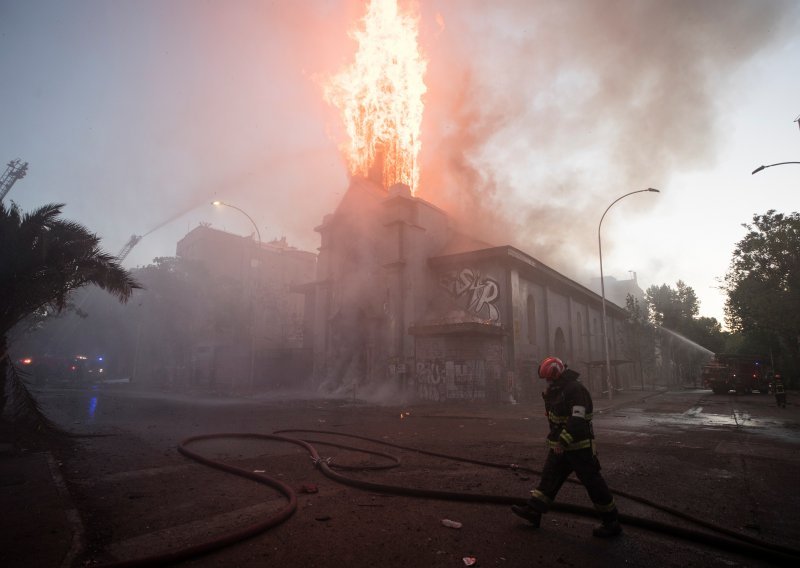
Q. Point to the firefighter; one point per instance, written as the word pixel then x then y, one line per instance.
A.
pixel 568 406
pixel 780 392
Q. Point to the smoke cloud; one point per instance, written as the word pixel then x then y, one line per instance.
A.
pixel 540 114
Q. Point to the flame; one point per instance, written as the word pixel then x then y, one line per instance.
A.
pixel 380 96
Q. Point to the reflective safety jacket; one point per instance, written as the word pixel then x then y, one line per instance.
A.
pixel 569 411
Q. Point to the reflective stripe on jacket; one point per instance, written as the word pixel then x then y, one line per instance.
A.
pixel 569 411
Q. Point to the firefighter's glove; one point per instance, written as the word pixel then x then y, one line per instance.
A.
pixel 558 450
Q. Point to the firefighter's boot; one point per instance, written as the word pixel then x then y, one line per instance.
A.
pixel 609 527
pixel 528 513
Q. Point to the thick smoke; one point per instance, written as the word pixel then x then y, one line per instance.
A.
pixel 154 110
pixel 540 114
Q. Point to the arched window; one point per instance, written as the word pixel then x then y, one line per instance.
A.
pixel 579 340
pixel 531 312
pixel 560 344
pixel 594 333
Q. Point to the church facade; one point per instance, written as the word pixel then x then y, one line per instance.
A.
pixel 406 305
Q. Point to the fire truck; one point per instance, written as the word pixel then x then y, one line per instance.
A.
pixel 75 370
pixel 741 373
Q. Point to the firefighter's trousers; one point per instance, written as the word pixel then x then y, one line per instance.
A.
pixel 557 469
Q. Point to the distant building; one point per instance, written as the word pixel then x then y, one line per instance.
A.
pixel 617 291
pixel 267 275
pixel 405 304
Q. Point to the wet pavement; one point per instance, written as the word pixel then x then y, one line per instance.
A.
pixel 728 459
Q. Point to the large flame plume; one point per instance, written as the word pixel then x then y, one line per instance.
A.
pixel 380 96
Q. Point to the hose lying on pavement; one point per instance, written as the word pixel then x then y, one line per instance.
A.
pixel 733 543
pixel 643 500
pixel 791 553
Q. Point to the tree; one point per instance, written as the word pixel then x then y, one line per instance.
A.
pixel 639 344
pixel 676 309
pixel 670 308
pixel 685 341
pixel 708 333
pixel 763 284
pixel 43 259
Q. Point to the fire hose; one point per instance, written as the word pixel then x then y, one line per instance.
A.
pixel 726 539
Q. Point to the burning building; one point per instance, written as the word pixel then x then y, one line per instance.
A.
pixel 406 304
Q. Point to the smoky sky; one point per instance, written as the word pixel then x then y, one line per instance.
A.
pixel 542 113
pixel 538 113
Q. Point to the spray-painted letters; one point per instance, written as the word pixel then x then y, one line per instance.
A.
pixel 481 294
pixel 451 380
pixel 431 380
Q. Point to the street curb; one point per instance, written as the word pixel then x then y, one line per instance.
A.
pixel 71 514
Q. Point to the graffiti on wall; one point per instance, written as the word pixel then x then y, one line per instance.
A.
pixel 438 380
pixel 469 380
pixel 481 293
pixel 430 378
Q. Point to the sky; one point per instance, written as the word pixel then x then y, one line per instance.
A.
pixel 538 115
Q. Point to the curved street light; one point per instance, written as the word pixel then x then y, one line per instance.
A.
pixel 603 288
pixel 759 168
pixel 258 233
pixel 252 307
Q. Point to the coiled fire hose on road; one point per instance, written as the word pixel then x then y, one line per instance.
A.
pixel 732 542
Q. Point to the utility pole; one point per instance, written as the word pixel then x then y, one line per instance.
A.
pixel 15 170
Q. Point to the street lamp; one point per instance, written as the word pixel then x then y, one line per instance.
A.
pixel 759 168
pixel 603 289
pixel 252 286
pixel 258 233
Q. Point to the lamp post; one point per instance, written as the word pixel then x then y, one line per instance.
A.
pixel 258 233
pixel 759 168
pixel 252 286
pixel 603 289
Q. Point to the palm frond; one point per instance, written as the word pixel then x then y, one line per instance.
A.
pixel 23 408
pixel 45 258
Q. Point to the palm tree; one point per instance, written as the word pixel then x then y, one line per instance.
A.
pixel 42 260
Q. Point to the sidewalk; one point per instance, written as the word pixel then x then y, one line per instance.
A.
pixel 40 526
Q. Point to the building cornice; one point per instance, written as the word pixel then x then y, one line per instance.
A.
pixel 512 256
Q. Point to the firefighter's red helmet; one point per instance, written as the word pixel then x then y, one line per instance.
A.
pixel 551 368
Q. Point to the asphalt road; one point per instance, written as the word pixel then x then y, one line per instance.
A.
pixel 731 461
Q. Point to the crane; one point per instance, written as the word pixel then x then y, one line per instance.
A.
pixel 16 170
pixel 132 242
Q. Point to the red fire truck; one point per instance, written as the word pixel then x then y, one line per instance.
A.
pixel 741 373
